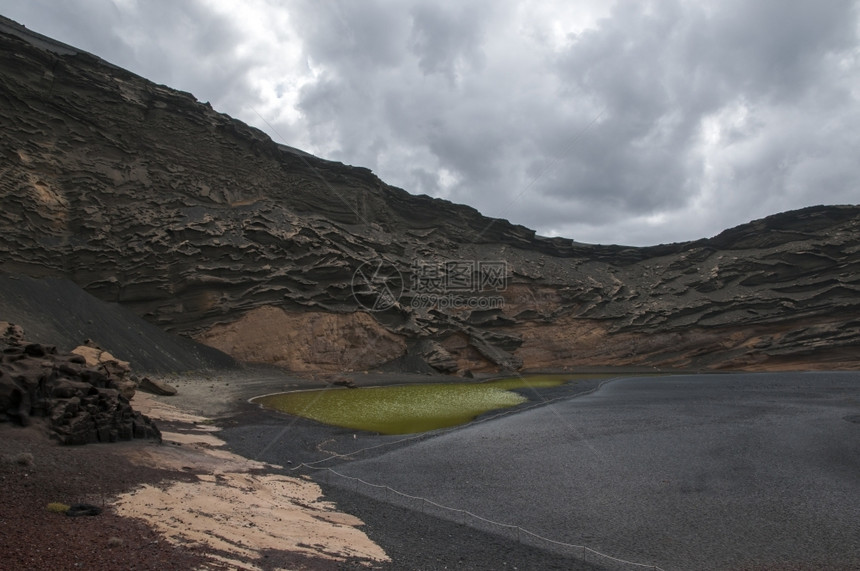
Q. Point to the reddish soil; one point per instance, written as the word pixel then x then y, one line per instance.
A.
pixel 36 471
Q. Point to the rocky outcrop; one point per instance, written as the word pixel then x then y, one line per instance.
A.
pixel 202 225
pixel 97 358
pixel 81 404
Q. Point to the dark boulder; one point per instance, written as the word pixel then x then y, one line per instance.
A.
pixel 81 404
pixel 156 387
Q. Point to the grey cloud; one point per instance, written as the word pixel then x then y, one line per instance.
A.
pixel 181 44
pixel 427 182
pixel 87 25
pixel 201 48
pixel 774 48
pixel 638 63
pixel 665 120
pixel 352 37
pixel 442 37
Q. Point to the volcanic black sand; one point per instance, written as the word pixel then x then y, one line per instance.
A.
pixel 55 311
pixel 413 539
pixel 722 471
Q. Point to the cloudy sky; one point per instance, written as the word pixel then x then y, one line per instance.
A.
pixel 630 122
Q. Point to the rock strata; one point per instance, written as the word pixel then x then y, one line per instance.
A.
pixel 81 403
pixel 151 200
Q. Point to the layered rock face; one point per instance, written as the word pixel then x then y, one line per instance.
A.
pixel 204 226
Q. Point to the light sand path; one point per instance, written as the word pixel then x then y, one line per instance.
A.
pixel 236 509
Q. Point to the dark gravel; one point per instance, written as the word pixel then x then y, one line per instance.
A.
pixel 421 542
pixel 697 472
pixel 700 472
pixel 415 540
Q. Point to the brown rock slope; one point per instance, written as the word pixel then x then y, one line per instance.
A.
pixel 204 226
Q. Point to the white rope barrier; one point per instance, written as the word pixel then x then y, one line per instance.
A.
pixel 520 530
pixel 426 501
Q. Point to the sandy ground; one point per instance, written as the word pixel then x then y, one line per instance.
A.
pixel 613 454
pixel 238 510
pixel 258 499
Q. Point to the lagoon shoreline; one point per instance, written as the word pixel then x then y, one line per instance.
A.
pixel 217 435
pixel 413 540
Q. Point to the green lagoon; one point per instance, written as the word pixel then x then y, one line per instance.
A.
pixel 406 409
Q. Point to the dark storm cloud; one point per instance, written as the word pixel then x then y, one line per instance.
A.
pixel 86 25
pixel 443 37
pixel 630 122
pixel 185 45
pixel 387 72
pixel 661 70
pixel 617 115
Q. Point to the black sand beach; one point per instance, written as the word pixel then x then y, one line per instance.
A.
pixel 413 538
pixel 685 472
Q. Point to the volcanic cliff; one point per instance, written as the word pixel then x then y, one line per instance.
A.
pixel 150 199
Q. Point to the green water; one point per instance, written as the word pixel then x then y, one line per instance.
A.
pixel 405 409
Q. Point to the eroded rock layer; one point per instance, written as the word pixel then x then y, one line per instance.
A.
pixel 204 226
